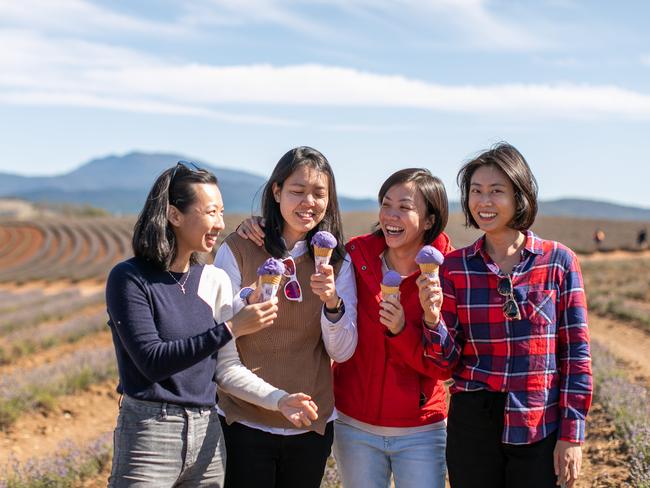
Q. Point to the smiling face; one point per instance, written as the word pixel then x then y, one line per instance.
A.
pixel 491 199
pixel 198 228
pixel 403 216
pixel 303 200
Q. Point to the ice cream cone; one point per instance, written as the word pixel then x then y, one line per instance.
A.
pixel 270 285
pixel 387 291
pixel 322 255
pixel 430 269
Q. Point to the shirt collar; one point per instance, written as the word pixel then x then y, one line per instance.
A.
pixel 533 245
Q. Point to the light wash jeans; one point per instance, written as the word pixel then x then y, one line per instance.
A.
pixel 367 460
pixel 163 446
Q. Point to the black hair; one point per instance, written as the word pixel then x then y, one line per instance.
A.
pixel 153 237
pixel 432 190
pixel 331 222
pixel 512 163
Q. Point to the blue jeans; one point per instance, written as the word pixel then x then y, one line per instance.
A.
pixel 161 445
pixel 364 459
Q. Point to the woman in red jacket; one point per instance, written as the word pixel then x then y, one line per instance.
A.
pixel 390 401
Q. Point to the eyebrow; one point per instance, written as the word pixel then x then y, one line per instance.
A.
pixel 493 184
pixel 405 199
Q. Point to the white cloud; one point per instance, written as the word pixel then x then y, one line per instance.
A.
pixel 475 25
pixel 76 16
pixel 645 59
pixel 43 71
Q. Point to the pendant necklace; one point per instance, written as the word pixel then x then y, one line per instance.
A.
pixel 182 285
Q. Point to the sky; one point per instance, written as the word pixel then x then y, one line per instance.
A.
pixel 376 85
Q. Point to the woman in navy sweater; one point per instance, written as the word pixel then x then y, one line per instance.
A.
pixel 169 315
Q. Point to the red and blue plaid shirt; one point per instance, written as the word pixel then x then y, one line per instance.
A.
pixel 542 361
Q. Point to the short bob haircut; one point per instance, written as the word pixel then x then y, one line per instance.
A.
pixel 153 237
pixel 433 191
pixel 512 163
pixel 290 162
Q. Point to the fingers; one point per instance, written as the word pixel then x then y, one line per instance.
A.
pixel 250 229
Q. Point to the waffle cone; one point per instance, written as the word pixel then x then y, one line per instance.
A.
pixel 270 279
pixel 322 251
pixel 429 268
pixel 389 290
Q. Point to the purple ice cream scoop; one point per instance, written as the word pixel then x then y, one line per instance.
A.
pixel 271 266
pixel 323 239
pixel 391 278
pixel 428 255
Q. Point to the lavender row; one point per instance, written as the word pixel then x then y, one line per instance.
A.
pixel 55 309
pixel 25 341
pixel 72 465
pixel 39 387
pixel 629 405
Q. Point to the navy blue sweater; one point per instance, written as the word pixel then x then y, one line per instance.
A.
pixel 165 341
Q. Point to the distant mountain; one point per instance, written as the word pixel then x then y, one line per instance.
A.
pixel 592 209
pixel 121 183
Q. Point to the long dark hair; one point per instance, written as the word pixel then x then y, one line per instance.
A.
pixel 432 190
pixel 290 162
pixel 513 164
pixel 153 237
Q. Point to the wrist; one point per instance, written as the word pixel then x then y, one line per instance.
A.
pixel 334 305
pixel 430 323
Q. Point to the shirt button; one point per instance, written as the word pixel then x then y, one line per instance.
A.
pixel 363 268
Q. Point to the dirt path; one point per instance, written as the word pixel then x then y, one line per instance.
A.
pixel 614 255
pixel 82 418
pixel 626 343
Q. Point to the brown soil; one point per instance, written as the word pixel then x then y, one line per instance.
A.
pixel 628 344
pixel 82 418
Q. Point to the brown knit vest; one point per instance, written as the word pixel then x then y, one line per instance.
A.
pixel 290 354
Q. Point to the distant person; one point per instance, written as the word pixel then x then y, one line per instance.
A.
pixel 513 326
pixel 599 237
pixel 172 325
pixel 642 239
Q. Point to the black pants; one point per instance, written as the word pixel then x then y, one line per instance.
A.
pixel 258 459
pixel 476 457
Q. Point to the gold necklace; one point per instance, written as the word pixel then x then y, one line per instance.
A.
pixel 182 285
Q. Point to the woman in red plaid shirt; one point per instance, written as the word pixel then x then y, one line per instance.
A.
pixel 513 326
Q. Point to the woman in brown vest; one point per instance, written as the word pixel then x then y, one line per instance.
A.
pixel 316 323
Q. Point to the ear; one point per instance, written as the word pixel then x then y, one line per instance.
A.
pixel 174 216
pixel 429 221
pixel 276 192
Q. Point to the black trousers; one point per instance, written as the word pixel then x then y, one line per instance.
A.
pixel 476 457
pixel 258 459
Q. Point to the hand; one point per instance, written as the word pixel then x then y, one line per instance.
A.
pixel 251 228
pixel 253 318
pixel 391 315
pixel 323 285
pixel 567 461
pixel 430 295
pixel 298 409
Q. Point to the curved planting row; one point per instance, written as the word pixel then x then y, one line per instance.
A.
pixel 39 387
pixel 75 249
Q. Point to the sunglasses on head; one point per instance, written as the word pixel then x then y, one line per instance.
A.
pixel 292 290
pixel 188 165
pixel 510 308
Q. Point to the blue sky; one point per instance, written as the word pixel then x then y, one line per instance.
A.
pixel 376 85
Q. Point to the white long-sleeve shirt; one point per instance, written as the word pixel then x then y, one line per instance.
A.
pixel 339 338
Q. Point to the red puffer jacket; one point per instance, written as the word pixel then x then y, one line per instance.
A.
pixel 388 382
